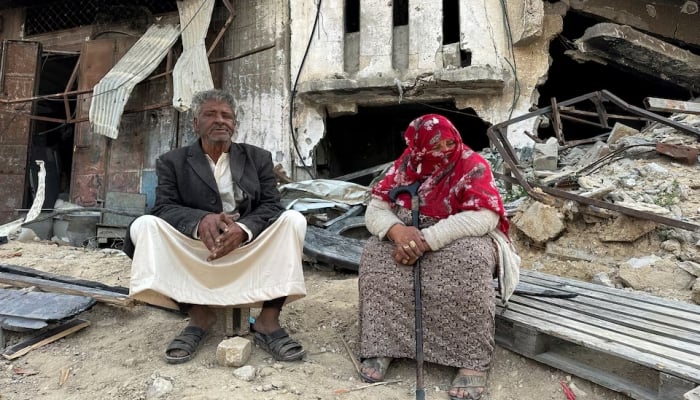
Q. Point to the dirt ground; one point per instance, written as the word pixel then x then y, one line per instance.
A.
pixel 120 355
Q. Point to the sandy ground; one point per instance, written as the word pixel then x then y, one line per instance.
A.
pixel 120 355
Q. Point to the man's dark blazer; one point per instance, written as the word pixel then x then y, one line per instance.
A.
pixel 187 190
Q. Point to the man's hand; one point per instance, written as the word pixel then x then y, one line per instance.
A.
pixel 220 234
pixel 410 244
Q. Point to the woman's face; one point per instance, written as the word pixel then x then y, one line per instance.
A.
pixel 444 145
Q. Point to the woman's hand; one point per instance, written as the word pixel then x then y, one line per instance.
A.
pixel 410 244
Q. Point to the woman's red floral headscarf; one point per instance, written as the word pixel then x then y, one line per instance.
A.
pixel 452 181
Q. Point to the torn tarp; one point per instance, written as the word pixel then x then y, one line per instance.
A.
pixel 328 189
pixel 192 73
pixel 110 95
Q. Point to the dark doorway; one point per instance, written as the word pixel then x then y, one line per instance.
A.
pixel 374 136
pixel 568 79
pixel 52 141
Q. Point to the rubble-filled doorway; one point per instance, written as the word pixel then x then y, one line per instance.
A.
pixel 374 135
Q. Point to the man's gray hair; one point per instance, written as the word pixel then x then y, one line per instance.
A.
pixel 200 98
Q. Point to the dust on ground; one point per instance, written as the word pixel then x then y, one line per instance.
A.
pixel 120 355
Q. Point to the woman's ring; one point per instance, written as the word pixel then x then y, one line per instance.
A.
pixel 406 246
pixel 412 243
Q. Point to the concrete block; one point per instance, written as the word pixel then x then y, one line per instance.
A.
pixel 233 352
pixel 546 155
pixel 619 131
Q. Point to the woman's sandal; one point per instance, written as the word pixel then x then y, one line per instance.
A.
pixel 473 385
pixel 379 364
pixel 188 340
pixel 280 345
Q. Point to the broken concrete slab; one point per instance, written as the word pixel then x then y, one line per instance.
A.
pixel 631 50
pixel 546 155
pixel 540 222
pixel 526 19
pixel 676 20
pixel 654 272
pixel 619 131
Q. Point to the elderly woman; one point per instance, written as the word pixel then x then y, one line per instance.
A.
pixel 462 242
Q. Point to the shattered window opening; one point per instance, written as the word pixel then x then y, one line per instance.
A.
pixel 352 16
pixel 400 12
pixel 450 21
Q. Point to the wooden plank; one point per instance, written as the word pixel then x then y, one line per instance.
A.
pixel 352 212
pixel 57 287
pixel 45 338
pixel 610 299
pixel 675 106
pixel 610 304
pixel 643 325
pixel 552 279
pixel 674 346
pixel 35 273
pixel 603 378
pixel 612 338
pixel 672 387
pixel 594 342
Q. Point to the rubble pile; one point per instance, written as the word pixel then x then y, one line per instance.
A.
pixel 653 170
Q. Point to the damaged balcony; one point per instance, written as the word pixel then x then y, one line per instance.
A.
pixel 377 90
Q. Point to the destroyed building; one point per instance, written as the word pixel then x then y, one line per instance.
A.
pixel 327 87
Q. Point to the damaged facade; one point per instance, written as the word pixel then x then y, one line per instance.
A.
pixel 327 87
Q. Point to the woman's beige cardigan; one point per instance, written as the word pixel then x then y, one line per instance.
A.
pixel 379 218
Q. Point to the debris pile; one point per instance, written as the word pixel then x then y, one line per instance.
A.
pixel 620 209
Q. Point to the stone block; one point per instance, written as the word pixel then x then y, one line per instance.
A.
pixel 540 222
pixel 619 131
pixel 546 155
pixel 233 352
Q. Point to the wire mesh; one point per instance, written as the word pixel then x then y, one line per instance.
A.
pixel 66 14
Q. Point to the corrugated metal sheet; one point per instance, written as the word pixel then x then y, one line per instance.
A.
pixel 192 73
pixel 112 92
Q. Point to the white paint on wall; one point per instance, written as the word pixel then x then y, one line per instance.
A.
pixel 376 38
pixel 325 56
pixel 424 35
pixel 481 31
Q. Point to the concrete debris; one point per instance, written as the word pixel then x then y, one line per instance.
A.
pixel 540 222
pixel 601 278
pixel 635 183
pixel 626 48
pixel 626 229
pixel 690 267
pixel 655 272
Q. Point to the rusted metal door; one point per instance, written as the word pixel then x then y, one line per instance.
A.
pixel 18 79
pixel 92 151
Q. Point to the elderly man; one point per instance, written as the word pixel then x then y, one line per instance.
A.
pixel 218 236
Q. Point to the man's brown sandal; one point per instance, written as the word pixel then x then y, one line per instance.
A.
pixel 473 385
pixel 379 364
